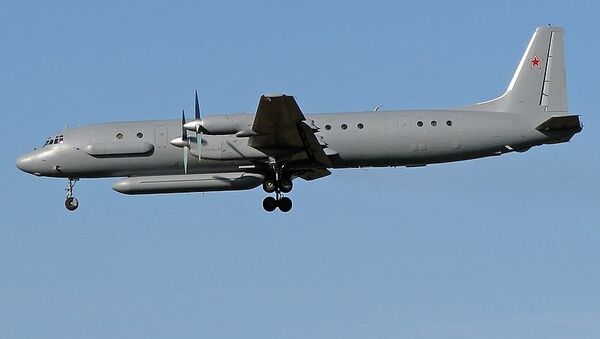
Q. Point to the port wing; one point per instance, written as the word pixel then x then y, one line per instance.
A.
pixel 284 133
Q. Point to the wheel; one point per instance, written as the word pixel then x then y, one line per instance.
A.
pixel 269 185
pixel 71 204
pixel 269 204
pixel 285 204
pixel 286 185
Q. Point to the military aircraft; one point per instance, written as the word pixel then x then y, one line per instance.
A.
pixel 279 143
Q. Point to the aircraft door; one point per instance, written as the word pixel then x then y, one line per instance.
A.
pixel 161 137
pixel 403 126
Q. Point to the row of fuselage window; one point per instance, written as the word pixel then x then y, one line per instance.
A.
pixel 360 125
pixel 139 135
pixel 419 124
pixel 434 123
pixel 59 138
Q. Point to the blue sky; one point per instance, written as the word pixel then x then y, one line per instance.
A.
pixel 505 247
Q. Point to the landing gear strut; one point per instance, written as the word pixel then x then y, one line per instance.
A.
pixel 280 184
pixel 71 203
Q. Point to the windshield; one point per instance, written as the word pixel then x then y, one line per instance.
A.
pixel 54 140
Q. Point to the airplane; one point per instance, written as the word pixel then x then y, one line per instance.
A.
pixel 279 143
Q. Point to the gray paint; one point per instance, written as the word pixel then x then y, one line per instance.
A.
pixel 509 123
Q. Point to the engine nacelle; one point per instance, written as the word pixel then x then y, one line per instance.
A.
pixel 185 183
pixel 227 124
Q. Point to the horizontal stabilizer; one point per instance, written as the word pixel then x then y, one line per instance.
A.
pixel 565 123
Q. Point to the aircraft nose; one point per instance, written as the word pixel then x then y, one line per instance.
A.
pixel 23 163
pixel 26 164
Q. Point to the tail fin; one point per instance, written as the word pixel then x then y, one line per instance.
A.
pixel 539 84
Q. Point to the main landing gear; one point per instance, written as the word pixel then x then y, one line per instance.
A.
pixel 279 184
pixel 71 203
pixel 284 203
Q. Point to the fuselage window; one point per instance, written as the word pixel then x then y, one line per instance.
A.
pixel 328 127
pixel 449 123
pixel 434 123
pixel 420 123
pixel 344 126
pixel 360 126
pixel 140 135
pixel 119 136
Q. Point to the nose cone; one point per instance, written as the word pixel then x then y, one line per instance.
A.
pixel 27 164
pixel 24 163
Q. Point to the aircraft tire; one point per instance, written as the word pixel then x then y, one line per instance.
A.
pixel 269 204
pixel 285 204
pixel 269 185
pixel 286 185
pixel 71 203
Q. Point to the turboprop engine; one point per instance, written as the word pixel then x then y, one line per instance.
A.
pixel 239 125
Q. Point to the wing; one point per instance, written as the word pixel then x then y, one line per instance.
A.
pixel 282 132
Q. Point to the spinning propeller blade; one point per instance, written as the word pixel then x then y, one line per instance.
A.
pixel 184 138
pixel 197 113
pixel 198 125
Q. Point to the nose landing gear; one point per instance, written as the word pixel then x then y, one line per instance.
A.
pixel 71 203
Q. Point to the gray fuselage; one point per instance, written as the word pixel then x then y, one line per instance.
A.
pixel 364 139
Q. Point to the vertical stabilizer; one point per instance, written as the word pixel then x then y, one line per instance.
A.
pixel 539 83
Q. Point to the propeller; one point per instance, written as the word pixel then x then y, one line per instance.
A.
pixel 184 142
pixel 197 125
pixel 184 138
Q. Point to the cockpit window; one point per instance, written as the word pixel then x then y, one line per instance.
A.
pixel 59 139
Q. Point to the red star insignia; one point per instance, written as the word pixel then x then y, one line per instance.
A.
pixel 535 62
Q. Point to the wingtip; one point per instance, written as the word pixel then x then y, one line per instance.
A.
pixel 273 95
